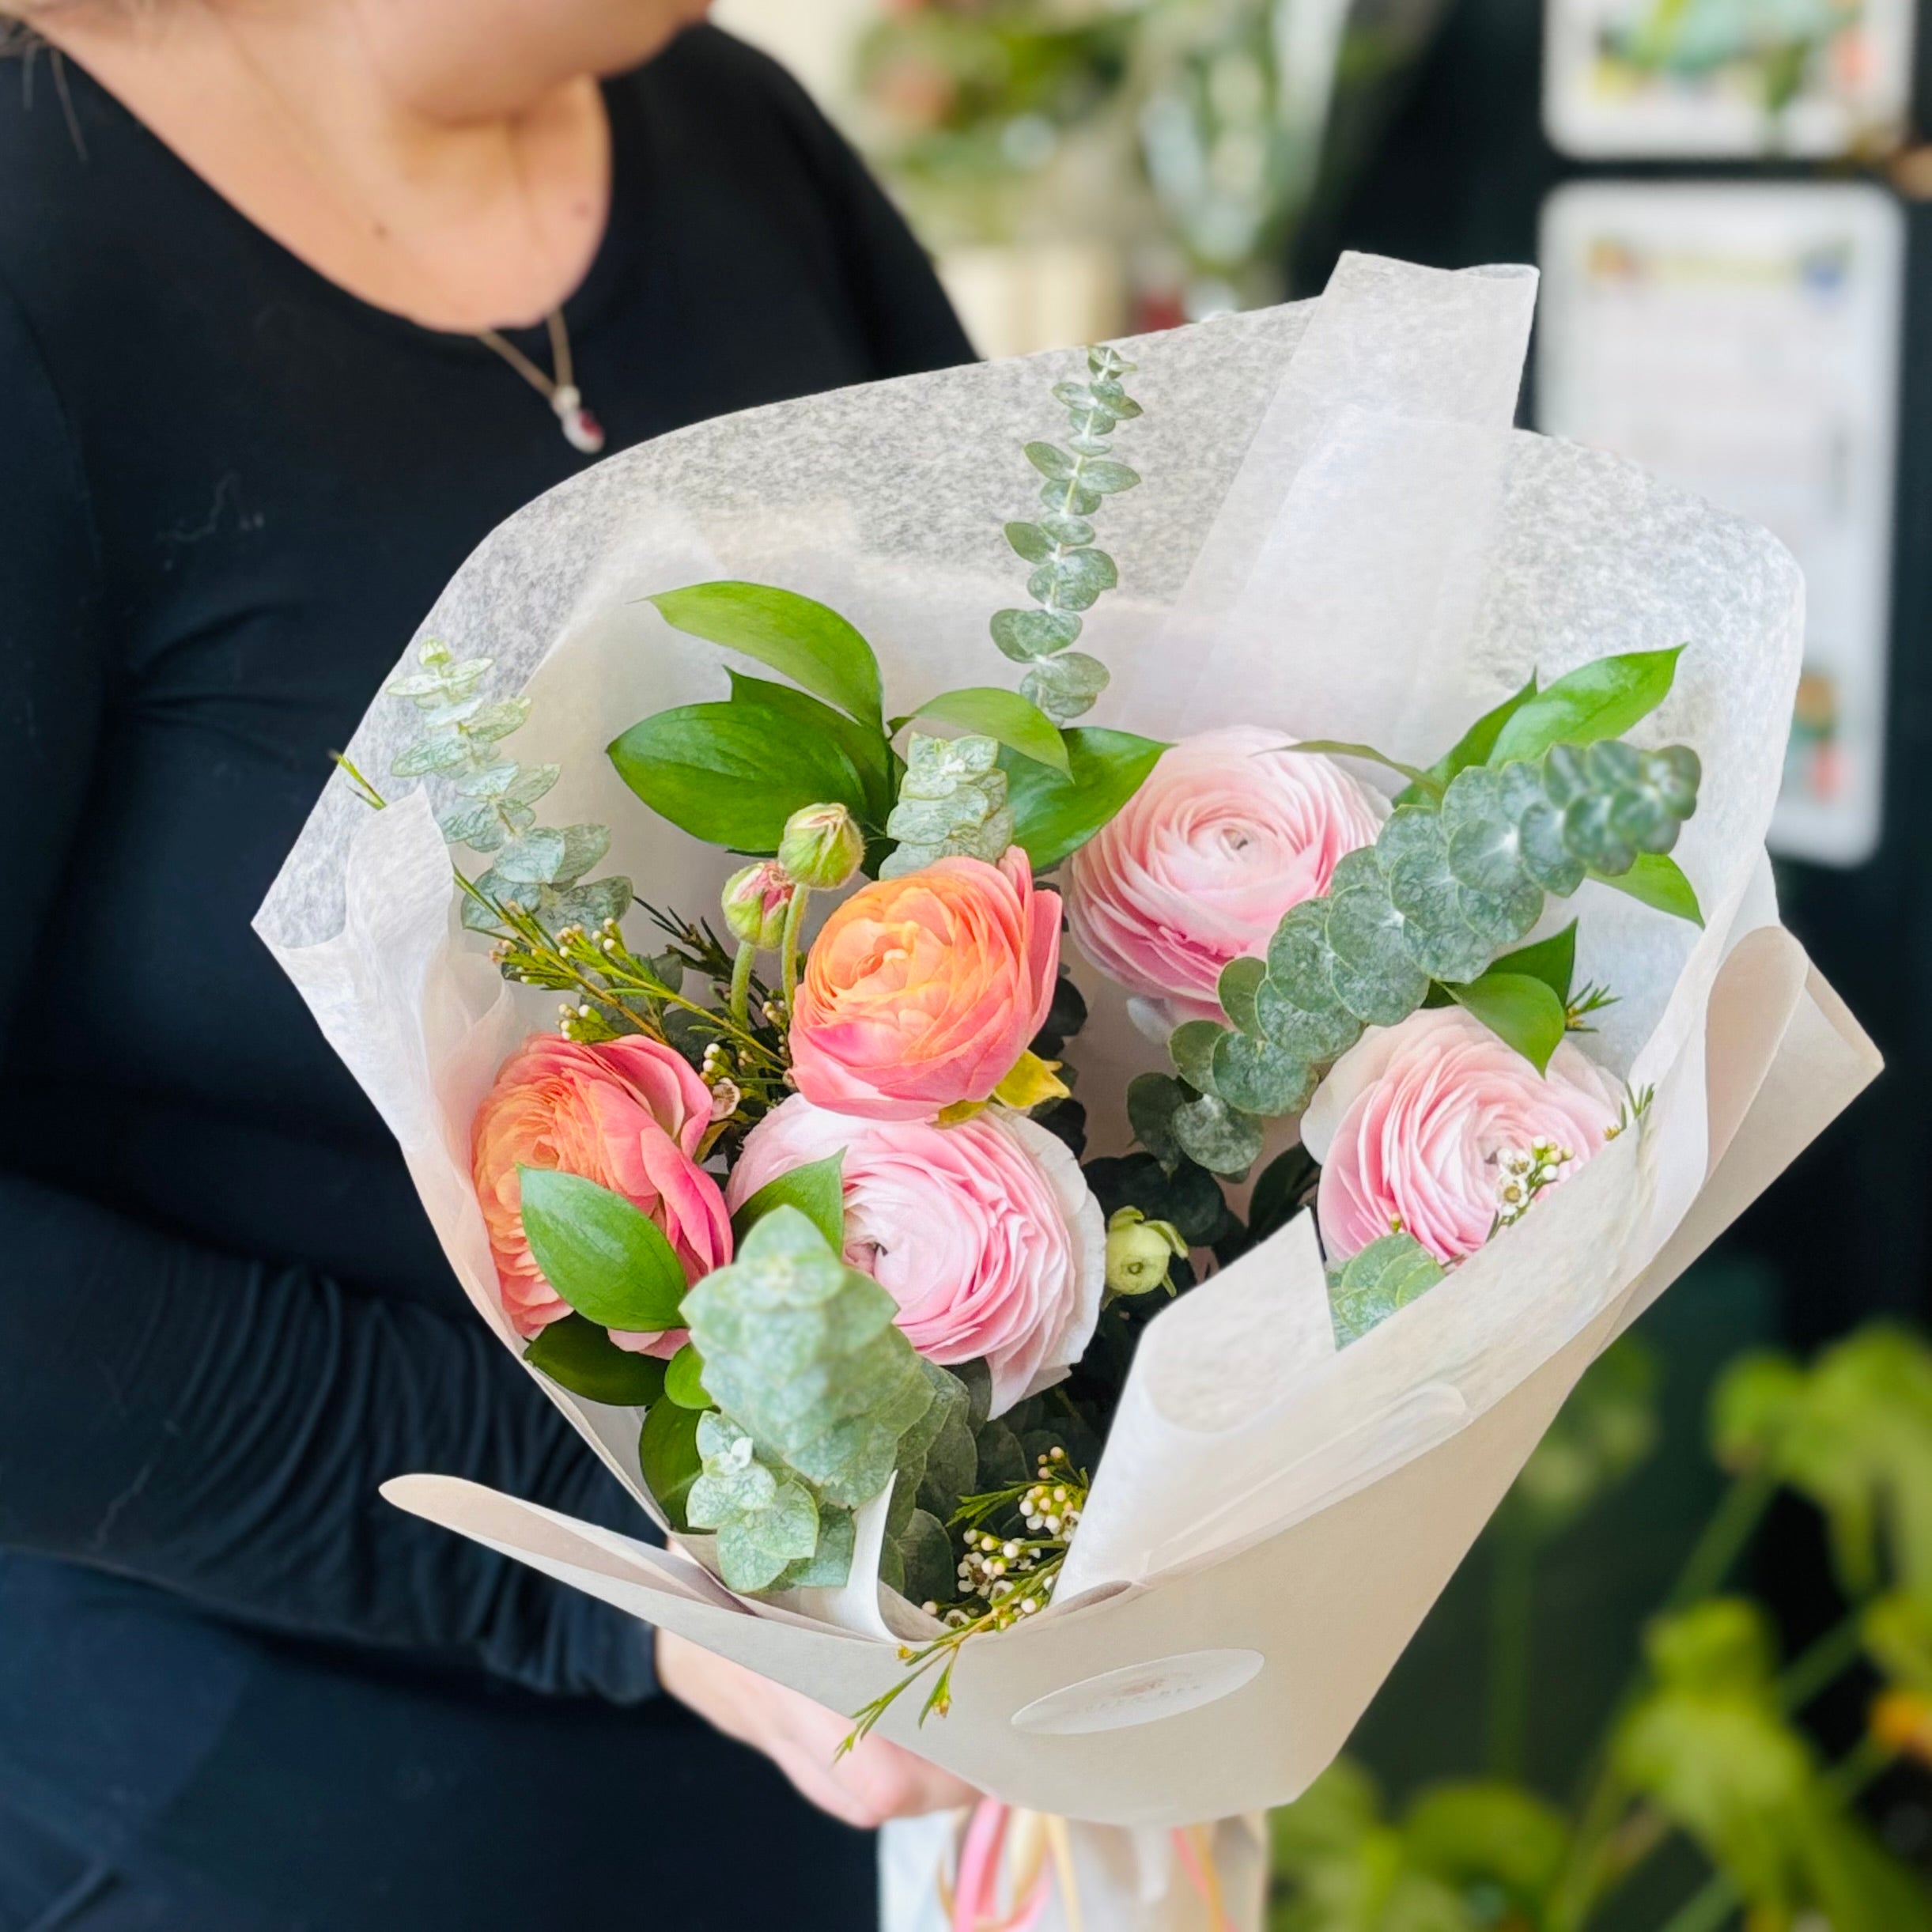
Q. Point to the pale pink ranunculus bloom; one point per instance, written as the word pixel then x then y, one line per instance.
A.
pixel 628 1114
pixel 923 991
pixel 985 1234
pixel 1227 832
pixel 1412 1123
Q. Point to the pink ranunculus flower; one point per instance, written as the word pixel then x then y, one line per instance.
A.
pixel 1227 833
pixel 923 991
pixel 628 1114
pixel 1414 1125
pixel 985 1234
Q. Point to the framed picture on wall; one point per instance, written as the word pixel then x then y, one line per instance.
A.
pixel 1742 339
pixel 1714 79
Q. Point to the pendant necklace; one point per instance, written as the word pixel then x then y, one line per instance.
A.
pixel 582 431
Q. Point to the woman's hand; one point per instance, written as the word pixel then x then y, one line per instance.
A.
pixel 876 1781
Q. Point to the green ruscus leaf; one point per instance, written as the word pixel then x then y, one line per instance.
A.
pixel 817 1190
pixel 607 1259
pixel 1005 715
pixel 667 1457
pixel 1519 1009
pixel 731 773
pixel 1054 816
pixel 800 638
pixel 684 1379
pixel 1659 883
pixel 579 1355
pixel 1599 700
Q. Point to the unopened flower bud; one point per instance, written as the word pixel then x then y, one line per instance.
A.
pixel 822 846
pixel 1139 1252
pixel 754 901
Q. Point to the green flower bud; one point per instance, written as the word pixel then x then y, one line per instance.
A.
pixel 754 901
pixel 1139 1252
pixel 822 846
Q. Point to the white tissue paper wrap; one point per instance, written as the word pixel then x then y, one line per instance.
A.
pixel 1341 535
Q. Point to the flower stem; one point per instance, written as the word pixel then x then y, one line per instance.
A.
pixel 794 924
pixel 741 982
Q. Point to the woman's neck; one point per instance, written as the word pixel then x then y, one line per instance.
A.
pixel 464 199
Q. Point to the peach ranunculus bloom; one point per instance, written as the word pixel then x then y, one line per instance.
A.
pixel 1414 1126
pixel 985 1234
pixel 924 991
pixel 628 1114
pixel 1227 832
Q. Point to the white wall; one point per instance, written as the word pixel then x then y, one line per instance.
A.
pixel 814 38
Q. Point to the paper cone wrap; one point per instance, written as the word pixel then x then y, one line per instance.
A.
pixel 1341 535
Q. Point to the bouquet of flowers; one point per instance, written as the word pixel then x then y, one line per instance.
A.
pixel 1070 1227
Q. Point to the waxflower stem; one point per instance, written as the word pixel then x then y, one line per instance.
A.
pixel 1014 1576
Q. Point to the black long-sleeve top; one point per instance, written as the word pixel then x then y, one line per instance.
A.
pixel 229 489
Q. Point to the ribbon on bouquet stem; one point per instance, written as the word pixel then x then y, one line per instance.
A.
pixel 1026 1838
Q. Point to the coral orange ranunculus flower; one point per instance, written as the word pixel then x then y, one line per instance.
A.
pixel 628 1114
pixel 924 991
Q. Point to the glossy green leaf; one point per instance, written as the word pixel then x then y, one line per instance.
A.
pixel 1053 816
pixel 1599 700
pixel 731 774
pixel 609 1261
pixel 668 1457
pixel 1658 880
pixel 1552 961
pixel 1005 716
pixel 1519 1010
pixel 816 1189
pixel 800 638
pixel 1474 747
pixel 1348 748
pixel 868 748
pixel 579 1355
pixel 684 1379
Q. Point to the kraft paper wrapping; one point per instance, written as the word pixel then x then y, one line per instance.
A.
pixel 1340 533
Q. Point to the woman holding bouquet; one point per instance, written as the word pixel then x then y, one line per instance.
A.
pixel 298 299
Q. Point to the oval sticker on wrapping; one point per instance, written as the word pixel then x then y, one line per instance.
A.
pixel 1164 1686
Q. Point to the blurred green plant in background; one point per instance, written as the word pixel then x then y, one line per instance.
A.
pixel 1189 134
pixel 1707 1744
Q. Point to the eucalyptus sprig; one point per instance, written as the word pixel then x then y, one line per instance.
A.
pixel 1070 571
pixel 539 868
pixel 1539 796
